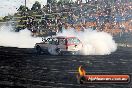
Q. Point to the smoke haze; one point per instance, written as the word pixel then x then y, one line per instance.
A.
pixel 22 39
pixel 94 43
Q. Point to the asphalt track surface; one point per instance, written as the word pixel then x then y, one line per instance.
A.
pixel 22 68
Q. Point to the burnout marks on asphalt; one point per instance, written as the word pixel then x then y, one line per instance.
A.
pixel 60 71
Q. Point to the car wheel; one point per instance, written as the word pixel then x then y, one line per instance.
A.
pixel 58 51
pixel 53 50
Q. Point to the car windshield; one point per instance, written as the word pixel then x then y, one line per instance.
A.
pixel 73 41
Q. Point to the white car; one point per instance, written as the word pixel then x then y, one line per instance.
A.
pixel 59 45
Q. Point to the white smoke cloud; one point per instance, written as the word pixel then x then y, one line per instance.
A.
pixel 94 43
pixel 22 39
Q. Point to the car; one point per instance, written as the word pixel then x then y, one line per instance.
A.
pixel 59 45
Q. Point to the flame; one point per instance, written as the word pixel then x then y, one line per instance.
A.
pixel 82 72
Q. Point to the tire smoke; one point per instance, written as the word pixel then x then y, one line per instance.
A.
pixel 94 43
pixel 22 39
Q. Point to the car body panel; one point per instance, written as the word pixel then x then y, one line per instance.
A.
pixel 64 44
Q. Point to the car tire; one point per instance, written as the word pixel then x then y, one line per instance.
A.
pixel 54 50
pixel 58 51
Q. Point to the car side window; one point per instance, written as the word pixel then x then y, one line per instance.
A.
pixel 69 40
pixel 73 41
pixel 62 42
pixel 55 41
pixel 76 41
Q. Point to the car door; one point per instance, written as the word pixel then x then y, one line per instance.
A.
pixel 53 46
pixel 46 43
pixel 62 44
